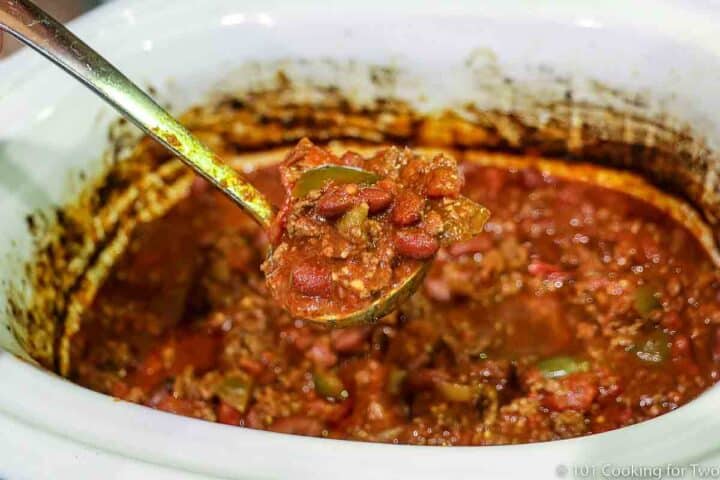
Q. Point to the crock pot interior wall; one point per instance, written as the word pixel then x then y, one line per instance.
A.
pixel 519 83
pixel 82 239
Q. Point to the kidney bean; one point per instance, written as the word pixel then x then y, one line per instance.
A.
pixel 479 244
pixel 415 244
pixel 442 182
pixel 716 346
pixel 321 354
pixel 335 201
pixel 349 340
pixel 376 198
pixel 312 280
pixel 547 270
pixel 408 208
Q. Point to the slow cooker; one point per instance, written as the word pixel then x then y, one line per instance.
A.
pixel 642 73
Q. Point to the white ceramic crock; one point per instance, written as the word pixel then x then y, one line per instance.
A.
pixel 51 128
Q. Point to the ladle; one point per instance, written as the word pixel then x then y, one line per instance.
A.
pixel 36 28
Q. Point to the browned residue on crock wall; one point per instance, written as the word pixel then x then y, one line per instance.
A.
pixel 77 248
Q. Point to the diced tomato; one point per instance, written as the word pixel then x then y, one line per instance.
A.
pixel 254 419
pixel 716 345
pixel 179 406
pixel 681 350
pixel 493 181
pixel 150 372
pixel 253 367
pixel 576 392
pixel 331 412
pixel 437 289
pixel 672 321
pixel 199 185
pixel 479 244
pixel 227 414
pixel 611 417
pixel 298 425
pixel 542 269
pixel 349 340
pixel 278 225
pixel 197 349
pixel 425 378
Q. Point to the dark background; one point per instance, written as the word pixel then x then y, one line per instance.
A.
pixel 61 9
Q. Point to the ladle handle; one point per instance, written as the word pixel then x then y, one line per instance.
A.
pixel 34 27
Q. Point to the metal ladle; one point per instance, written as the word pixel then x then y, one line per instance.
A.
pixel 34 27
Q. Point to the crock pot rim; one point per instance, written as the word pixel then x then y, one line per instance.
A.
pixel 24 62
